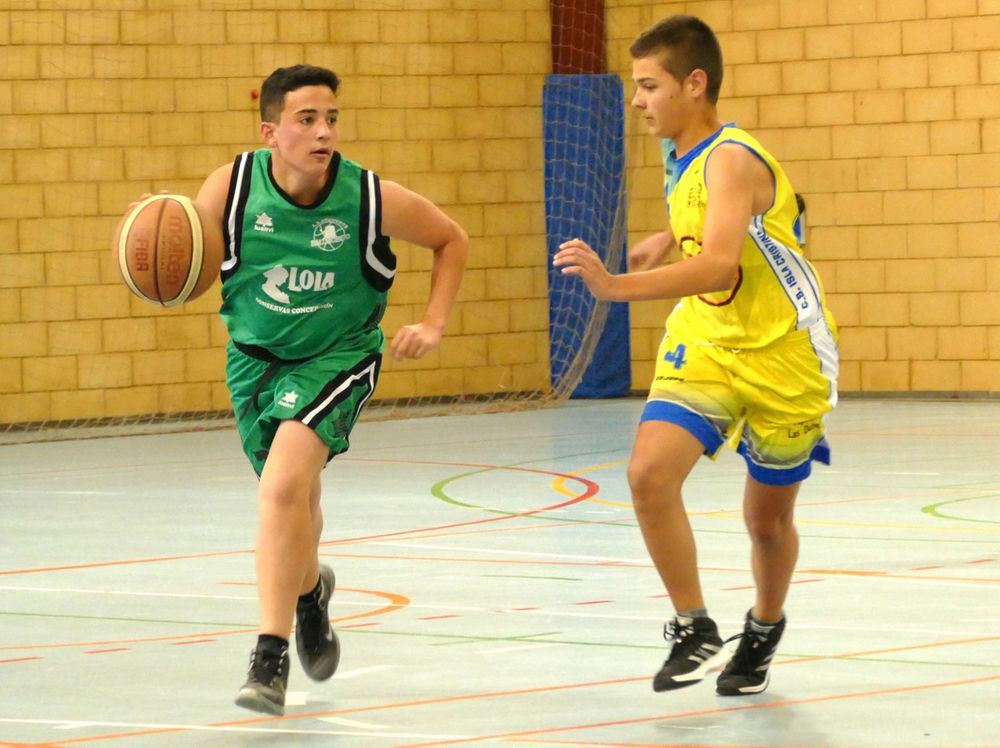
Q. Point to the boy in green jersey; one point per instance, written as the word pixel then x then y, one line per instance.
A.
pixel 306 271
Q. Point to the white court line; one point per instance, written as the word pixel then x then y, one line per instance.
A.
pixel 56 491
pixel 127 593
pixel 351 723
pixel 73 724
pixel 519 552
pixel 345 674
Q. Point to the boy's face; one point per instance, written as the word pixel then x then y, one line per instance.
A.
pixel 305 134
pixel 661 99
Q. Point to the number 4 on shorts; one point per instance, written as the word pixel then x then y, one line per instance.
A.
pixel 676 356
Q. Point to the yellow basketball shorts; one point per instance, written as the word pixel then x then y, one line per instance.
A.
pixel 768 404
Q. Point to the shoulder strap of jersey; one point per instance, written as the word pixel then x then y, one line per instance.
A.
pixel 378 263
pixel 236 201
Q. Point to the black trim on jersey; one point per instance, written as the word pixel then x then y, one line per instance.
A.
pixel 380 245
pixel 231 243
pixel 331 178
pixel 732 293
pixel 337 382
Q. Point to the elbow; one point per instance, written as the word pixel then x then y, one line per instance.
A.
pixel 723 277
pixel 455 247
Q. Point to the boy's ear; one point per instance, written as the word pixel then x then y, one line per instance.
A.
pixel 698 82
pixel 267 132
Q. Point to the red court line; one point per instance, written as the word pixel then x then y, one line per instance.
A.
pixel 19 659
pixel 504 694
pixel 104 651
pixel 126 562
pixel 195 641
pixel 602 744
pixel 359 710
pixel 591 489
pixel 708 712
pixel 887 575
pixel 438 618
pixel 594 602
pixel 396 601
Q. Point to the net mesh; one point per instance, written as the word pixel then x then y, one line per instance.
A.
pixel 101 106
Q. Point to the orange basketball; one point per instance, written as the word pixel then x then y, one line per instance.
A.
pixel 166 253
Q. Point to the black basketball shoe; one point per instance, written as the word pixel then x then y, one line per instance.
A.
pixel 748 670
pixel 697 651
pixel 315 639
pixel 266 683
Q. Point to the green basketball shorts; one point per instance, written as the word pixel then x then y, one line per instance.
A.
pixel 325 393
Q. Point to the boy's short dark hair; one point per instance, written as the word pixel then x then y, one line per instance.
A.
pixel 687 44
pixel 283 80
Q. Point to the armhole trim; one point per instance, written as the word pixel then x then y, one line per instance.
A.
pixel 236 201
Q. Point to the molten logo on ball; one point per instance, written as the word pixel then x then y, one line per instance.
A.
pixel 166 251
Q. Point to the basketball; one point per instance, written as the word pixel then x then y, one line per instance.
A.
pixel 166 253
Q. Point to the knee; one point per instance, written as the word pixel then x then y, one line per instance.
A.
pixel 282 496
pixel 651 485
pixel 767 529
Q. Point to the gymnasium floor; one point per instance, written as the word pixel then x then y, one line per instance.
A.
pixel 493 588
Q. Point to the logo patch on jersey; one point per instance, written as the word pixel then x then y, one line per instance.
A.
pixel 279 281
pixel 264 224
pixel 289 399
pixel 329 234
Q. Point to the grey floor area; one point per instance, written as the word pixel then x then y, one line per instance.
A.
pixel 493 588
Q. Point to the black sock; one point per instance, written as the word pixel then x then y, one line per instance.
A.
pixel 272 644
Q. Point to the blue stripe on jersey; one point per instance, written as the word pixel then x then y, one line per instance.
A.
pixel 685 161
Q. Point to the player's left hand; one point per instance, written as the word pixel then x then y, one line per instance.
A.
pixel 575 257
pixel 413 341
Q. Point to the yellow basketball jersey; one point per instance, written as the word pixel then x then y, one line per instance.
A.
pixel 777 291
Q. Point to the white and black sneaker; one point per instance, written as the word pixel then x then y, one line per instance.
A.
pixel 697 651
pixel 749 669
pixel 315 639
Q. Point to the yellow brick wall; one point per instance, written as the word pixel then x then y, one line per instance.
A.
pixel 885 112
pixel 100 101
pixel 886 116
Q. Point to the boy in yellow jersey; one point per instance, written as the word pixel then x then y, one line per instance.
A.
pixel 749 356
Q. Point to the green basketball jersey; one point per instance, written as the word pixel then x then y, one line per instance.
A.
pixel 301 280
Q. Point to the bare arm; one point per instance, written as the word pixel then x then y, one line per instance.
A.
pixel 651 252
pixel 211 197
pixel 736 180
pixel 415 219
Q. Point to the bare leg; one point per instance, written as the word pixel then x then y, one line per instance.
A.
pixel 768 512
pixel 316 514
pixel 662 457
pixel 286 537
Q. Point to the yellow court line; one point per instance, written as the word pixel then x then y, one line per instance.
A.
pixel 559 484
